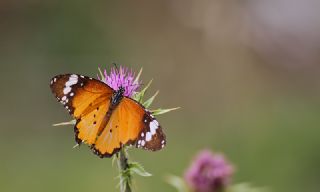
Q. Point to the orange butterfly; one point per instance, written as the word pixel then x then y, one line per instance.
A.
pixel 106 119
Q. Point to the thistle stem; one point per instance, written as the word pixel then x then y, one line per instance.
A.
pixel 125 174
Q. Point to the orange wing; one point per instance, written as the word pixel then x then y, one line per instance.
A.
pixel 86 99
pixel 130 123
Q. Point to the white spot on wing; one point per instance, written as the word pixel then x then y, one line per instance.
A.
pixel 148 136
pixel 66 90
pixel 73 79
pixel 143 143
pixel 74 76
pixel 153 126
pixel 71 82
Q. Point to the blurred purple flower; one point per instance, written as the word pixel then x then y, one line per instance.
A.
pixel 122 77
pixel 208 172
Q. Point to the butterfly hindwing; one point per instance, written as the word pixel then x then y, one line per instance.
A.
pixel 77 92
pixel 151 136
pixel 130 123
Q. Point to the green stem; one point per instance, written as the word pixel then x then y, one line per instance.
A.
pixel 125 175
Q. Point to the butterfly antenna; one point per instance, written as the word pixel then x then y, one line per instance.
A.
pixel 115 66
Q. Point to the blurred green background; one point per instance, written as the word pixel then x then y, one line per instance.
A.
pixel 246 74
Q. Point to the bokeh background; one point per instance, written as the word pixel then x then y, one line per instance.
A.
pixel 246 74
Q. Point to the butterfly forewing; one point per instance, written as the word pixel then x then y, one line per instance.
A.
pixel 79 93
pixel 150 135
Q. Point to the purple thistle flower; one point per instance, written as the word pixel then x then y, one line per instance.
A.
pixel 122 77
pixel 209 172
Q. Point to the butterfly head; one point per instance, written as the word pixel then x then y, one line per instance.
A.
pixel 121 90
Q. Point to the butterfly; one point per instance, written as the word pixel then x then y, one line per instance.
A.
pixel 106 120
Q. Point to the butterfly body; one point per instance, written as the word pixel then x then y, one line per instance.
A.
pixel 117 96
pixel 115 100
pixel 106 119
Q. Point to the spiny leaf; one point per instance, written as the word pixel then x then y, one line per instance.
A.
pixel 138 96
pixel 72 122
pixel 125 180
pixel 147 103
pixel 137 168
pixel 163 111
pixel 114 158
pixel 136 81
pixel 101 74
pixel 76 145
